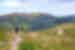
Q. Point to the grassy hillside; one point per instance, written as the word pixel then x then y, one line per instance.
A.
pixel 50 39
pixel 3 38
pixel 47 39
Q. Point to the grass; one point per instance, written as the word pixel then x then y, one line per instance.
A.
pixel 46 40
pixel 3 38
pixel 3 42
pixel 50 40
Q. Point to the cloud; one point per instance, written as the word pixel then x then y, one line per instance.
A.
pixel 66 1
pixel 61 1
pixel 56 7
pixel 62 9
pixel 10 6
pixel 15 4
pixel 27 6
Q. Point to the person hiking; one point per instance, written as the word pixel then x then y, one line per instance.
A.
pixel 17 29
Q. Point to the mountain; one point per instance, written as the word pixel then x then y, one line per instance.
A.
pixel 66 19
pixel 34 21
pixel 43 21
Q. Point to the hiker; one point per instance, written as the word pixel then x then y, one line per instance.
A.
pixel 17 30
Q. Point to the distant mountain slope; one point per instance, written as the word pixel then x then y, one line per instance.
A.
pixel 66 19
pixel 34 21
pixel 43 21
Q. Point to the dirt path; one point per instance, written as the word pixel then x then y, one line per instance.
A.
pixel 15 42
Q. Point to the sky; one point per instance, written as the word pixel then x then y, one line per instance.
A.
pixel 55 7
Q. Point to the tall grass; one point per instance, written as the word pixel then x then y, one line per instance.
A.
pixel 50 40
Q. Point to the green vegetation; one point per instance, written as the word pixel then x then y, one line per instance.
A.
pixel 50 40
pixel 47 39
pixel 3 38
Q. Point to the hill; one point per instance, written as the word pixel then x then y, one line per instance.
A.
pixel 34 21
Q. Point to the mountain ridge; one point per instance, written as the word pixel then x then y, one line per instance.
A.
pixel 36 20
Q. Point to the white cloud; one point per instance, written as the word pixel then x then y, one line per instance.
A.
pixel 25 5
pixel 62 9
pixel 15 4
pixel 10 4
pixel 51 6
